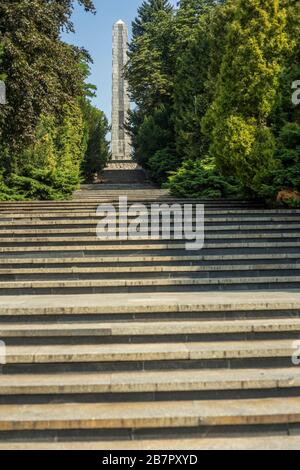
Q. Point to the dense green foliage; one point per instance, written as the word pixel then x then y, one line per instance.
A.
pixel 97 151
pixel 222 71
pixel 154 134
pixel 287 173
pixel 152 59
pixel 146 14
pixel 242 142
pixel 196 177
pixel 44 131
pixel 212 82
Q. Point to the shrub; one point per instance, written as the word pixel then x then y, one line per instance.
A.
pixel 154 133
pixel 200 179
pixel 44 184
pixel 7 193
pixel 288 176
pixel 161 164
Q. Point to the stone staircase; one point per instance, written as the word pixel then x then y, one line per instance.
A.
pixel 52 248
pixel 113 342
pixel 124 172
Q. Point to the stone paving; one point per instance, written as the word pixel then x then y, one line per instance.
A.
pixel 144 345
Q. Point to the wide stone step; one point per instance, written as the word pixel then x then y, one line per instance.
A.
pixel 119 271
pixel 146 284
pixel 147 328
pixel 136 195
pixel 280 442
pixel 68 218
pixel 36 225
pixel 144 196
pixel 90 233
pixel 209 238
pixel 203 305
pixel 90 229
pixel 143 261
pixel 86 228
pixel 89 208
pixel 280 277
pixel 106 353
pixel 103 247
pixel 190 414
pixel 92 203
pixel 149 382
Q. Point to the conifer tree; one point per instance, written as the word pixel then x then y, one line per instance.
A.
pixel 147 13
pixel 242 141
pixel 97 151
pixel 192 67
pixel 150 73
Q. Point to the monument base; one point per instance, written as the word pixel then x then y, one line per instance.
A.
pixel 123 172
pixel 123 165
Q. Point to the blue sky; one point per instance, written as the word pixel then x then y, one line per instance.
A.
pixel 94 33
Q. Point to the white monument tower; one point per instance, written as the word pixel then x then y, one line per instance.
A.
pixel 121 147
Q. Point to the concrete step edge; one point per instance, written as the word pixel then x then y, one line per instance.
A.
pixel 66 239
pixel 154 381
pixel 142 415
pixel 148 328
pixel 146 282
pixel 68 354
pixel 104 246
pixel 281 442
pixel 147 259
pixel 149 269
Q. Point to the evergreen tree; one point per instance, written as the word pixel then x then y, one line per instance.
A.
pixel 192 68
pixel 285 111
pixel 286 115
pixel 97 152
pixel 213 88
pixel 44 131
pixel 151 63
pixel 154 134
pixel 51 165
pixel 242 143
pixel 150 74
pixel 147 14
pixel 42 73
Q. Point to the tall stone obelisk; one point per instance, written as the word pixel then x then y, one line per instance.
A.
pixel 121 146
